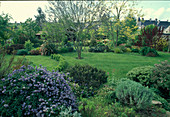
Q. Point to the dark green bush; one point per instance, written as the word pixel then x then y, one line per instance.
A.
pixel 88 78
pixel 93 42
pixel 161 78
pixel 32 92
pixel 135 50
pixel 141 74
pixel 22 52
pixel 134 94
pixel 13 47
pixel 147 51
pixel 63 50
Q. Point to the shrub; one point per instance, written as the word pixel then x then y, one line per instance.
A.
pixel 22 52
pixel 5 66
pixel 28 45
pixel 93 42
pixel 147 51
pixel 62 63
pixel 48 49
pixel 134 94
pixel 141 74
pixel 70 49
pixel 122 48
pixel 35 92
pixel 35 52
pixel 13 47
pixel 117 50
pixel 161 78
pixel 63 50
pixel 67 112
pixel 97 49
pixel 128 50
pixel 161 44
pixel 88 78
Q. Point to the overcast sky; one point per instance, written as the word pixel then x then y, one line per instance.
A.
pixel 20 11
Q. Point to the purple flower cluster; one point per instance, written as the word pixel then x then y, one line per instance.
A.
pixel 36 91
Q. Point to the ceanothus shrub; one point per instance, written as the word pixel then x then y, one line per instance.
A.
pixel 35 92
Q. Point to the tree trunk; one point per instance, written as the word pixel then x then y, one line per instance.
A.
pixel 79 53
pixel 117 35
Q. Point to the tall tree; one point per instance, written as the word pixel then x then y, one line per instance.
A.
pixel 116 11
pixel 77 16
pixel 41 17
pixel 4 28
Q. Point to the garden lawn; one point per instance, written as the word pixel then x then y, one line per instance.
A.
pixel 120 64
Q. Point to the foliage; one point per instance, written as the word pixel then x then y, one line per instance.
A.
pixel 40 18
pixel 35 51
pixel 149 35
pixel 62 63
pixel 10 49
pixel 32 91
pixel 141 74
pixel 160 78
pixel 134 94
pixel 4 26
pixel 93 42
pixel 67 112
pixel 161 44
pixel 5 67
pixel 97 49
pixel 48 49
pixel 22 52
pixel 71 15
pixel 147 51
pixel 128 50
pixel 118 50
pixel 26 31
pixel 88 78
pixel 164 102
pixel 28 45
pixel 20 62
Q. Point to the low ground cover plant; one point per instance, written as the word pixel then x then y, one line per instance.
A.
pixel 31 91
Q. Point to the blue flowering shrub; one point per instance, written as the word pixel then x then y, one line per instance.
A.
pixel 31 91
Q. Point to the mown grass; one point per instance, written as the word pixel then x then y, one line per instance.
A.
pixel 119 64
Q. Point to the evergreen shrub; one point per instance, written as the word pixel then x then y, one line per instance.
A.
pixel 87 77
pixel 141 74
pixel 134 94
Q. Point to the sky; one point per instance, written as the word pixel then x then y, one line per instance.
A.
pixel 22 10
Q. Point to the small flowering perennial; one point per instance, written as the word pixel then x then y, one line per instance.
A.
pixel 31 91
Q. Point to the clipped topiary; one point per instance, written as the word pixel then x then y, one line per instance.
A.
pixel 134 94
pixel 141 75
pixel 88 78
pixel 33 92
